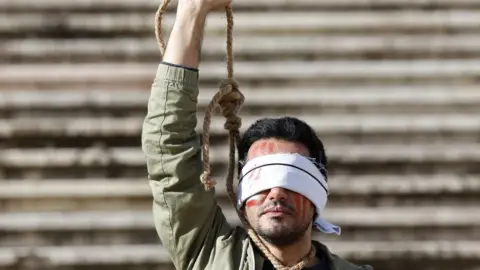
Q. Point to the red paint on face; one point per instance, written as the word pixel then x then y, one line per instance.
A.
pixel 301 205
pixel 258 148
pixel 253 203
pixel 297 201
pixel 256 200
pixel 273 146
pixel 270 146
pixel 263 148
pixel 307 206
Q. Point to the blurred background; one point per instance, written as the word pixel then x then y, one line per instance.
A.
pixel 391 86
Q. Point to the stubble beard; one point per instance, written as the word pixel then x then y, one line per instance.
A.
pixel 281 235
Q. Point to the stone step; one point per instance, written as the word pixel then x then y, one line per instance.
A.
pixel 24 5
pixel 439 254
pixel 248 47
pixel 333 129
pixel 353 216
pixel 350 159
pixel 127 227
pixel 133 156
pixel 278 72
pixel 312 21
pixel 411 99
pixel 86 257
pixel 134 193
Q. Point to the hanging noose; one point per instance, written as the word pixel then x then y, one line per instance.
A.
pixel 229 100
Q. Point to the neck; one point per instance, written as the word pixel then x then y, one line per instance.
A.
pixel 294 253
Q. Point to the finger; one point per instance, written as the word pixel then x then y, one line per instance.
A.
pixel 221 6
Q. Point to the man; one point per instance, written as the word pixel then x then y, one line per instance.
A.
pixel 283 180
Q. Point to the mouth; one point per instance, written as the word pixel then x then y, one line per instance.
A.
pixel 277 211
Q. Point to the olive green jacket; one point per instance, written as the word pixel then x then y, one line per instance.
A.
pixel 188 220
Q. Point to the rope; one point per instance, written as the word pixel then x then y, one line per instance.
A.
pixel 229 100
pixel 158 25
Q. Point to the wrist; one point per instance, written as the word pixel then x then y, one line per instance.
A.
pixel 191 12
pixel 185 39
pixel 189 23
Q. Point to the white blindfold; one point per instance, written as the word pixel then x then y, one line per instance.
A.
pixel 289 171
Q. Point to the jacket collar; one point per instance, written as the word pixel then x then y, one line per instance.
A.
pixel 335 262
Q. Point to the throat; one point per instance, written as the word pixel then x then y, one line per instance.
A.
pixel 294 253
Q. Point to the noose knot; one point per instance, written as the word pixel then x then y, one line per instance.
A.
pixel 230 102
pixel 206 179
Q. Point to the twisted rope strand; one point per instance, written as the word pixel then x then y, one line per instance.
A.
pixel 158 25
pixel 230 100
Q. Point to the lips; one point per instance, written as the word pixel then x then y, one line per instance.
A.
pixel 277 209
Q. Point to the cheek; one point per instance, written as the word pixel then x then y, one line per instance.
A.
pixel 252 203
pixel 302 205
pixel 256 200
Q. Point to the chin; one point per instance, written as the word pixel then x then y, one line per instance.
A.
pixel 278 226
pixel 280 238
pixel 281 233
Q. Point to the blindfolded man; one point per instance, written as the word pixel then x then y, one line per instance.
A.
pixel 282 184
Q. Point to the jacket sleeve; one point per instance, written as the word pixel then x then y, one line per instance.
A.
pixel 186 216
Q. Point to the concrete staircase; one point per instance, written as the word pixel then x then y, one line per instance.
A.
pixel 389 85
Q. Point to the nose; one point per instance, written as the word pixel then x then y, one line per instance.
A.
pixel 277 194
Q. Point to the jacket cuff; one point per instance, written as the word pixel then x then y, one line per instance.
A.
pixel 183 75
pixel 180 66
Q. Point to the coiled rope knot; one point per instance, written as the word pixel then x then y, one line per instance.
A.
pixel 207 181
pixel 230 102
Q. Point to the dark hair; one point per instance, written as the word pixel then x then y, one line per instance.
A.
pixel 285 128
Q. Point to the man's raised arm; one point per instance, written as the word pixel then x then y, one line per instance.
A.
pixel 186 216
